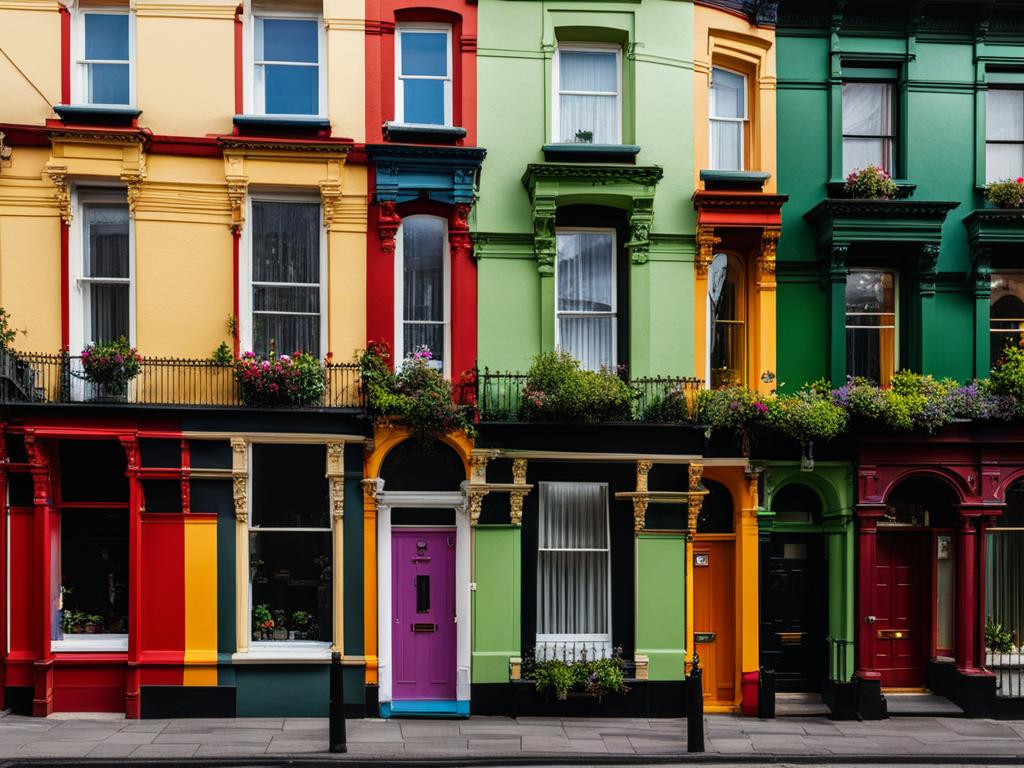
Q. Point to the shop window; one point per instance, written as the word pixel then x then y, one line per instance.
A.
pixel 104 274
pixel 796 503
pixel 871 324
pixel 422 289
pixel 1004 134
pixel 945 592
pixel 716 510
pixel 727 109
pixel 287 283
pixel 105 43
pixel 1004 569
pixel 290 560
pixel 1006 314
pixel 586 323
pixel 868 126
pixel 423 88
pixel 287 67
pixel 573 571
pixel 587 104
pixel 727 321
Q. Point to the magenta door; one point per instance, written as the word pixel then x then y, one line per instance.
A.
pixel 423 614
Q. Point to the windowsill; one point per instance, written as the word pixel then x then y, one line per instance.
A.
pixel 740 181
pixel 291 125
pixel 904 191
pixel 88 114
pixel 591 153
pixel 90 644
pixel 420 132
pixel 284 651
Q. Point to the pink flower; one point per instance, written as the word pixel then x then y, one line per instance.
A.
pixel 761 408
pixel 1020 179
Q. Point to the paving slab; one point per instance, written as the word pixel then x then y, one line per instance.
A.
pixel 107 749
pixel 165 750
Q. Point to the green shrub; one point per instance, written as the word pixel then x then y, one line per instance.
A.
pixel 557 389
pixel 558 676
pixel 730 408
pixel 8 333
pixel 672 406
pixel 1008 193
pixel 223 355
pixel 1007 378
pixel 997 639
pixel 807 415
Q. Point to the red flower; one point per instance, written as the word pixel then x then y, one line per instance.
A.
pixel 1020 179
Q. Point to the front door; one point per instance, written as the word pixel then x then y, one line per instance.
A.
pixel 423 613
pixel 794 611
pixel 714 618
pixel 900 632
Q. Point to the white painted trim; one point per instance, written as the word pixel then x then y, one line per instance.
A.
pixel 463 562
pixel 614 314
pixel 284 652
pixel 78 77
pixel 98 643
pixel 399 333
pixel 253 103
pixel 741 120
pixel 556 90
pixel 399 83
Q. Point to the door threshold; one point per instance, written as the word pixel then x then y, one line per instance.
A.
pixel 424 708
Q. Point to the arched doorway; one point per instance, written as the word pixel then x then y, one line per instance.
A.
pixel 423 565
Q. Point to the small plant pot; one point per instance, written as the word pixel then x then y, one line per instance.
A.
pixel 90 629
pixel 279 634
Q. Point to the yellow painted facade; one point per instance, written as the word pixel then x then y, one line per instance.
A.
pixel 200 600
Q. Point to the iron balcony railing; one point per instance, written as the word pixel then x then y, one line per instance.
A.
pixel 502 396
pixel 60 378
pixel 1009 671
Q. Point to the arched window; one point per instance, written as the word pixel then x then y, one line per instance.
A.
pixel 727 318
pixel 1006 314
pixel 796 503
pixel 422 304
pixel 716 511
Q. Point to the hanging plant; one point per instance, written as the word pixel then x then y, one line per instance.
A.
pixel 111 366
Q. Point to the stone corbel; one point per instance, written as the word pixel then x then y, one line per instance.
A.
pixel 238 188
pixel 981 270
pixel 388 222
pixel 475 497
pixel 641 219
pixel 58 176
pixel 459 241
pixel 240 478
pixel 927 262
pixel 833 263
pixel 643 468
pixel 545 243
pixel 706 242
pixel 371 487
pixel 336 478
pixel 769 249
pixel 696 500
pixel 516 497
pixel 478 469
pixel 330 201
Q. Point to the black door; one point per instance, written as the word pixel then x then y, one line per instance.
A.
pixel 794 610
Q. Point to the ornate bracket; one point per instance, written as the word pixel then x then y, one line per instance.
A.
pixel 640 221
pixel 476 500
pixel 643 468
pixel 833 263
pixel 769 249
pixel 695 502
pixel 133 181
pixel 927 262
pixel 478 468
pixel 706 242
pixel 237 190
pixel 516 497
pixel 388 222
pixel 240 478
pixel 336 478
pixel 544 239
pixel 58 175
pixel 371 487
pixel 330 201
pixel 981 270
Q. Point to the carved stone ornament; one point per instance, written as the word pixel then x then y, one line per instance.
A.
pixel 643 468
pixel 640 222
pixel 388 222
pixel 706 242
pixel 336 476
pixel 476 500
pixel 239 489
pixel 237 190
pixel 133 183
pixel 371 486
pixel 544 238
pixel 478 468
pixel 516 497
pixel 694 503
pixel 330 200
pixel 58 175
pixel 769 250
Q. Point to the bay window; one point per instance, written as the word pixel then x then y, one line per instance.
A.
pixel 1004 134
pixel 727 110
pixel 871 324
pixel 105 70
pixel 423 63
pixel 287 278
pixel 288 71
pixel 587 104
pixel 421 289
pixel 290 560
pixel 104 280
pixel 573 571
pixel 585 288
pixel 1006 314
pixel 868 126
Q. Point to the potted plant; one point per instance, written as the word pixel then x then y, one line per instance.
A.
pixel 110 366
pixel 582 677
pixel 1007 193
pixel 72 622
pixel 280 631
pixel 871 183
pixel 584 137
pixel 262 622
pixel 93 622
pixel 301 625
pixel 296 379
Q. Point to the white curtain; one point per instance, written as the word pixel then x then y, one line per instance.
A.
pixel 867 125
pixel 586 297
pixel 573 570
pixel 727 111
pixel 588 96
pixel 107 288
pixel 423 286
pixel 1004 592
pixel 1004 122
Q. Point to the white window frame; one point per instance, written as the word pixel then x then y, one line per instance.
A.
pixel 892 138
pixel 399 77
pixel 895 311
pixel 557 91
pixel 989 178
pixel 712 119
pixel 399 345
pixel 614 314
pixel 79 67
pixel 582 641
pixel 245 283
pixel 253 99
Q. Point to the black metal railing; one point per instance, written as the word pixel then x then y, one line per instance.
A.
pixel 1009 671
pixel 504 396
pixel 60 378
pixel 839 661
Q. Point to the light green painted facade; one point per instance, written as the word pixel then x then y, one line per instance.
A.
pixel 514 225
pixel 661 603
pixel 496 601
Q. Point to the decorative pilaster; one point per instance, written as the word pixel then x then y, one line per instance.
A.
pixel 769 248
pixel 544 239
pixel 133 183
pixel 643 468
pixel 641 218
pixel 330 201
pixel 336 479
pixel 927 263
pixel 58 175
pixel 967 594
pixel 459 241
pixel 388 222
pixel 696 500
pixel 516 497
pixel 336 486
pixel 833 280
pixel 706 242
pixel 240 492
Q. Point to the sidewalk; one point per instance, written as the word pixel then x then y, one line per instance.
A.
pixel 494 739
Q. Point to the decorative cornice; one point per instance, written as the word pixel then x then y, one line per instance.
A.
pixel 831 208
pixel 995 226
pixel 332 147
pixel 705 200
pixel 647 176
pixel 397 152
pixel 113 136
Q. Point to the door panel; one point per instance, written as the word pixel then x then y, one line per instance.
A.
pixel 423 614
pixel 714 617
pixel 901 631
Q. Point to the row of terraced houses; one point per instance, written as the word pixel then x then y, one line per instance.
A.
pixel 652 186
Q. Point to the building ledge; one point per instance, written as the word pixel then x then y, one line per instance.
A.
pixel 85 114
pixel 591 153
pixel 278 125
pixel 853 220
pixel 416 132
pixel 995 226
pixel 737 181
pixel 836 190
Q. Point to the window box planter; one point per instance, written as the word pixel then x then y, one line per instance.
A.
pixel 644 698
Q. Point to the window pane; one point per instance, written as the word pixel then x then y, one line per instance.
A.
pixel 107 241
pixel 109 313
pixel 1006 312
pixel 860 153
pixel 1003 161
pixel 588 339
pixel 868 291
pixel 289 40
pixel 94 571
pixel 1004 589
pixel 585 272
pixel 870 335
pixel 285 334
pixel 423 273
pixel 291 90
pixel 727 94
pixel 588 71
pixel 424 53
pixel 106 36
pixel 424 101
pixel 1004 115
pixel 726 145
pixel 593 115
pixel 573 516
pixel 429 335
pixel 280 299
pixel 289 486
pixel 867 109
pixel 291 579
pixel 108 83
pixel 727 355
pixel 286 242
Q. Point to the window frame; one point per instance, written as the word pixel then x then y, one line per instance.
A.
pixel 1000 87
pixel 893 137
pixel 1009 274
pixel 254 102
pixel 449 80
pixel 895 313
pixel 614 314
pixel 246 326
pixel 555 638
pixel 79 66
pixel 399 332
pixel 742 321
pixel 557 91
pixel 742 121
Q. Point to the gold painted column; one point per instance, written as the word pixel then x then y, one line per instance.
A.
pixel 336 488
pixel 371 486
pixel 706 242
pixel 240 491
pixel 694 504
pixel 747 594
pixel 765 373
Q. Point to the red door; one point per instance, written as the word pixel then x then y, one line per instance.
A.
pixel 901 627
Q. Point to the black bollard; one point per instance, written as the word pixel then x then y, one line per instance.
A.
pixel 766 694
pixel 695 708
pixel 336 712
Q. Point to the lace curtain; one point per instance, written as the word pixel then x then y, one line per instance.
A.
pixel 867 126
pixel 588 86
pixel 586 297
pixel 1004 121
pixel 106 287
